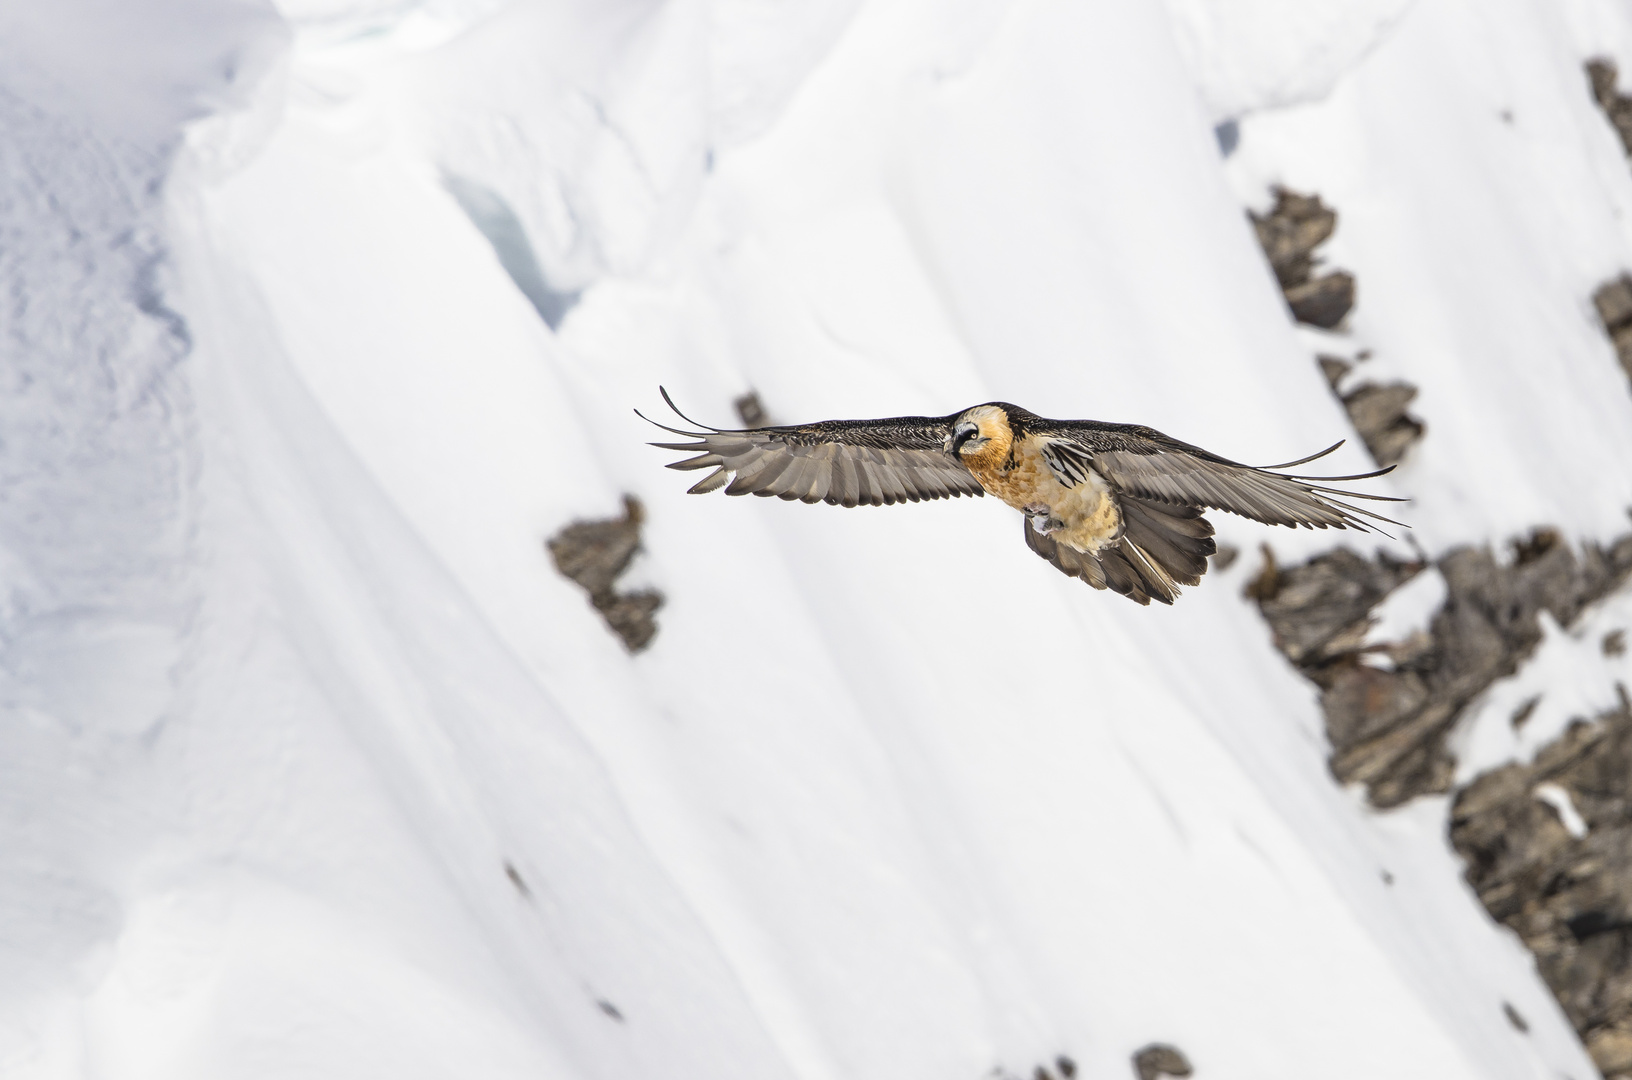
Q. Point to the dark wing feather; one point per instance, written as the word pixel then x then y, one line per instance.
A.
pixel 1143 462
pixel 839 462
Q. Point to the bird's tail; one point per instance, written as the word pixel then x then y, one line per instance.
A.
pixel 1161 547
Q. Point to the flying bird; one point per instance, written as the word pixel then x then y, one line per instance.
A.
pixel 1117 505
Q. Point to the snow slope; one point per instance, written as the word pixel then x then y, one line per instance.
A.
pixel 314 766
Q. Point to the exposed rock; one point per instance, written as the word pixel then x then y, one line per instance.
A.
pixel 1322 301
pixel 1378 413
pixel 1566 892
pixel 595 554
pixel 1514 1017
pixel 1377 410
pixel 1614 303
pixel 1290 233
pixel 1064 1066
pixel 1320 611
pixel 1334 368
pixel 751 410
pixel 1603 76
pixel 1160 1059
pixel 1389 708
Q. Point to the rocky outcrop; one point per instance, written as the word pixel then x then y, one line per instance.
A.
pixel 1064 1069
pixel 595 554
pixel 1160 1059
pixel 1377 410
pixel 1614 303
pixel 1617 108
pixel 1548 848
pixel 750 410
pixel 1389 707
pixel 1290 234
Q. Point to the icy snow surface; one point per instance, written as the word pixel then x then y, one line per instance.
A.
pixel 323 318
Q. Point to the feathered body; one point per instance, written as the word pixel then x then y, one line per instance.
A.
pixel 1117 505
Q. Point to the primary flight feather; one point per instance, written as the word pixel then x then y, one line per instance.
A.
pixel 1117 505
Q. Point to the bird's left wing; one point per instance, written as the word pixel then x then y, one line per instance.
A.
pixel 1149 465
pixel 839 462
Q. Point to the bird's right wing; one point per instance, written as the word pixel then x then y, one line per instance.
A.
pixel 839 462
pixel 1149 465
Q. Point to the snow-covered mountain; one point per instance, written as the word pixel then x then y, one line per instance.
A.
pixel 320 319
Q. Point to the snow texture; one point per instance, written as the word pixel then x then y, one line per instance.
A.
pixel 321 318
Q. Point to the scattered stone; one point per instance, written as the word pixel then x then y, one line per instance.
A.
pixel 516 879
pixel 1322 301
pixel 1614 643
pixel 1602 74
pixel 1521 715
pixel 1614 298
pixel 1515 1018
pixel 1378 414
pixel 1334 368
pixel 1614 303
pixel 595 554
pixel 1160 1059
pixel 1066 1068
pixel 609 1009
pixel 1225 556
pixel 1289 234
pixel 1387 726
pixel 1568 895
pixel 751 410
pixel 1319 612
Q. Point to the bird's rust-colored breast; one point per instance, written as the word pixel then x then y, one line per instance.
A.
pixel 1016 472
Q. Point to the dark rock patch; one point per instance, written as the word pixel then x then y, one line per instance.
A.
pixel 1387 719
pixel 609 1009
pixel 1614 303
pixel 1377 410
pixel 1601 73
pixel 595 554
pixel 1567 894
pixel 1290 234
pixel 1516 1018
pixel 1064 1069
pixel 1160 1059
pixel 1322 301
pixel 751 410
pixel 517 880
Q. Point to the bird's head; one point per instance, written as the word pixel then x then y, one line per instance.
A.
pixel 980 435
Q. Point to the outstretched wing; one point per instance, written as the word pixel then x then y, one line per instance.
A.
pixel 839 462
pixel 1143 462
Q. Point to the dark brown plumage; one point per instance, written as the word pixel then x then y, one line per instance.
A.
pixel 1117 505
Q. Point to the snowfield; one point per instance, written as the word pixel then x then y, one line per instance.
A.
pixel 321 318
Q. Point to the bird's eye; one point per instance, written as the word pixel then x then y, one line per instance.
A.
pixel 962 434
